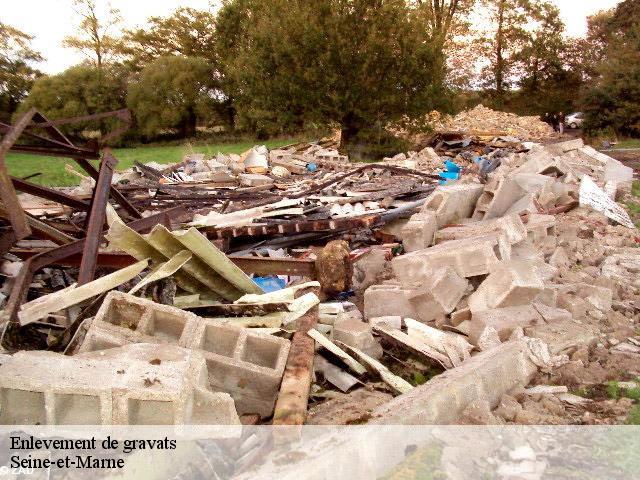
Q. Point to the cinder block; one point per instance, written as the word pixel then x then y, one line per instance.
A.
pixel 419 231
pixel 509 284
pixel 572 303
pixel 510 226
pixel 438 295
pixel 504 321
pixel 243 363
pixel 387 300
pixel 551 314
pixel 131 385
pixel 452 203
pixel 499 195
pixel 485 377
pixel 470 257
pixel 357 334
pixel 541 231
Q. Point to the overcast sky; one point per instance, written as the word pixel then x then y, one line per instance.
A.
pixel 51 20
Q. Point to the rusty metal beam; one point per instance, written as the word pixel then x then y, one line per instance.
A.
pixel 35 263
pixel 293 399
pixel 54 152
pixel 49 194
pixel 294 227
pixel 8 194
pixel 115 194
pixel 96 219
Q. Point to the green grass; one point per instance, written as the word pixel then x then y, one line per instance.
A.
pixel 634 416
pixel 615 392
pixel 635 189
pixel 54 174
pixel 631 143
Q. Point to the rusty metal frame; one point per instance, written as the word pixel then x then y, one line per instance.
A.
pixel 96 218
pixel 57 144
pixel 35 263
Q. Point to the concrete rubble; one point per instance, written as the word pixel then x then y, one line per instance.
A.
pixel 480 279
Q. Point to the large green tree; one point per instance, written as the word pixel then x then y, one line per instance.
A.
pixel 614 100
pixel 172 92
pixel 188 31
pixel 17 68
pixel 350 62
pixel 507 34
pixel 80 90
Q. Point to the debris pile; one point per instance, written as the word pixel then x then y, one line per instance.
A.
pixel 483 119
pixel 450 285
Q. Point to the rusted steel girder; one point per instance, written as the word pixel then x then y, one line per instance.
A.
pixel 35 263
pixel 96 218
pixel 8 194
pixel 294 226
pixel 49 194
pixel 293 399
pixel 257 265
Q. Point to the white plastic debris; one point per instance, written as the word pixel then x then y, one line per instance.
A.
pixel 593 196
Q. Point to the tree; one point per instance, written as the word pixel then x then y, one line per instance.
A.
pixel 187 32
pixel 507 34
pixel 79 90
pixel 172 93
pixel 17 72
pixel 444 17
pixel 613 102
pixel 94 38
pixel 352 62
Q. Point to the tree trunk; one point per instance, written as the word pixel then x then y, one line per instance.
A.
pixel 188 126
pixel 349 131
pixel 499 55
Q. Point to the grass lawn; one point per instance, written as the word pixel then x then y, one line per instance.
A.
pixel 632 143
pixel 54 174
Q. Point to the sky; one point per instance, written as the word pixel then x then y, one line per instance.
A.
pixel 51 20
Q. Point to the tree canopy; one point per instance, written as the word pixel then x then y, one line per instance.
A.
pixel 352 62
pixel 172 92
pixel 17 70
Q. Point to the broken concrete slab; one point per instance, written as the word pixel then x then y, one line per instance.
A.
pixel 551 314
pixel 470 257
pixel 438 295
pixel 418 233
pixel 357 334
pixel 509 284
pixel 130 385
pixel 486 376
pixel 387 300
pixel 563 337
pixel 510 226
pixel 504 321
pixel 452 203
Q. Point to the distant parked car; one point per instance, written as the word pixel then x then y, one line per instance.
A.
pixel 575 120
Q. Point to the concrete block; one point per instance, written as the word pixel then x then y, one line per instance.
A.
pixel 564 147
pixel 438 295
pixel 572 303
pixel 247 365
pixel 540 228
pixel 419 231
pixel 510 226
pixel 509 284
pixel 551 314
pixel 391 321
pixel 599 297
pixel 368 267
pixel 470 257
pixel 485 377
pixel 563 337
pixel 452 203
pixel 499 195
pixel 387 300
pixel 357 334
pixel 254 179
pixel 504 321
pixel 131 385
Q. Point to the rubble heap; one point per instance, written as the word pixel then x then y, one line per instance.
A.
pixel 387 293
